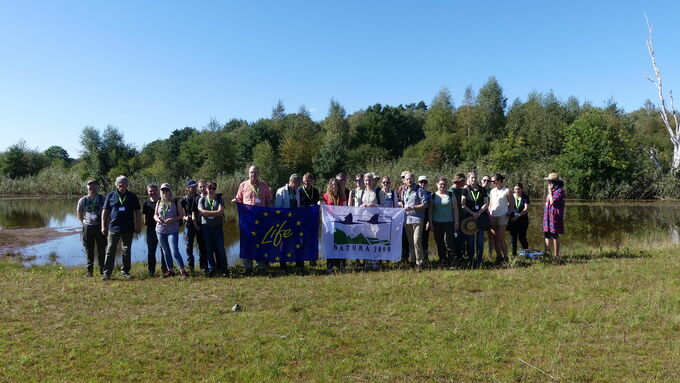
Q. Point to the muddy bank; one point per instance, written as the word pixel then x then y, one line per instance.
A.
pixel 13 239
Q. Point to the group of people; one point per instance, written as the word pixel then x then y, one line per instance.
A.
pixel 458 215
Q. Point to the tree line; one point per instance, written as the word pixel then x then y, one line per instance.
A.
pixel 601 151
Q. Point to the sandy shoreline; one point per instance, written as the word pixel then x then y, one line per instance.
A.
pixel 12 240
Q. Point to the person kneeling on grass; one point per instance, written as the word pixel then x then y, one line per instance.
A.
pixel 168 214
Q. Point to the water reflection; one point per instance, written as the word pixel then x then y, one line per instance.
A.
pixel 35 213
pixel 591 224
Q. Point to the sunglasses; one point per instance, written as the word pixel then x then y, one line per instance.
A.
pixel 386 182
pixel 358 180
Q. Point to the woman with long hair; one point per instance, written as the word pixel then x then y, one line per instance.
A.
pixel 167 215
pixel 334 196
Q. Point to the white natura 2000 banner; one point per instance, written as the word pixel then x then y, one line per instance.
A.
pixel 362 232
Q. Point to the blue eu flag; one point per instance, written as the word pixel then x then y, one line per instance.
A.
pixel 279 234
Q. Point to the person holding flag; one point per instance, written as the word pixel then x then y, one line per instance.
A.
pixel 416 204
pixel 288 196
pixel 254 192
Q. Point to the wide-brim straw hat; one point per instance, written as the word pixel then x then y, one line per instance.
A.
pixel 468 226
pixel 553 177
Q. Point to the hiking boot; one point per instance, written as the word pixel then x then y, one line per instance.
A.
pixel 106 277
pixel 183 273
pixel 88 274
pixel 167 274
pixel 419 268
pixel 125 275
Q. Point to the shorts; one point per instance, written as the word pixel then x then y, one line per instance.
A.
pixel 549 235
pixel 499 221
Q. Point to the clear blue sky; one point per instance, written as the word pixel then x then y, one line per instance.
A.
pixel 149 67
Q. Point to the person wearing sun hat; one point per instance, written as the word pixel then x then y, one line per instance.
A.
pixel 553 213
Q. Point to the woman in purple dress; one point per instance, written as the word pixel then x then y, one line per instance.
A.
pixel 553 213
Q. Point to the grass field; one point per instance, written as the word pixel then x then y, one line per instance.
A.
pixel 605 316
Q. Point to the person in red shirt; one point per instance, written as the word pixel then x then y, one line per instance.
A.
pixel 334 196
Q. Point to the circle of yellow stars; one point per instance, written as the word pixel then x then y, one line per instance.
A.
pixel 297 223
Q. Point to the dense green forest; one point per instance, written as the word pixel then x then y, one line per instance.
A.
pixel 601 151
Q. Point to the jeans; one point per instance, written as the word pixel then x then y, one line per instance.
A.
pixel 170 249
pixel 443 235
pixel 112 244
pixel 414 235
pixel 151 246
pixel 92 235
pixel 478 237
pixel 214 242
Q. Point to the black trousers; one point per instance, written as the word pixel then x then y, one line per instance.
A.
pixel 91 236
pixel 193 234
pixel 151 246
pixel 518 231
pixel 443 236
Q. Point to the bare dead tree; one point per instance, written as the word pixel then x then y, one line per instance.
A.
pixel 669 117
pixel 652 153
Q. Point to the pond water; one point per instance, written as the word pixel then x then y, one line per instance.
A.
pixel 587 223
